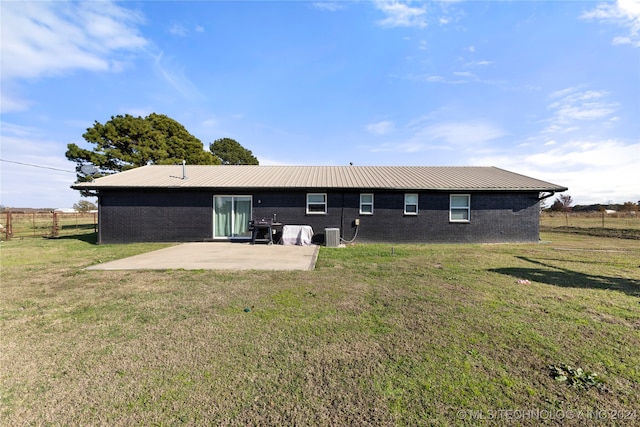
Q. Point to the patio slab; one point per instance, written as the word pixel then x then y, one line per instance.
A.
pixel 219 256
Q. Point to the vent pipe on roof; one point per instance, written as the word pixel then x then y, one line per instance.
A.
pixel 184 169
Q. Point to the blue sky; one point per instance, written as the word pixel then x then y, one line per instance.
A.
pixel 549 89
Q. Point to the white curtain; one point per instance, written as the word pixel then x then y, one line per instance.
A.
pixel 241 216
pixel 232 215
pixel 223 205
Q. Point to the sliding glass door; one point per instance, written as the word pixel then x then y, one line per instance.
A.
pixel 231 216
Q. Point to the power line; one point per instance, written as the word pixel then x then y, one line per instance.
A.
pixel 36 166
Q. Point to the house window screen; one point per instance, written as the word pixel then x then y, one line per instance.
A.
pixel 316 203
pixel 410 204
pixel 460 208
pixel 366 204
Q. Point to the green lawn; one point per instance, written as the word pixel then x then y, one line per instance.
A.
pixel 375 335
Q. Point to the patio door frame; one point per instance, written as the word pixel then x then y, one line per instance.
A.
pixel 233 216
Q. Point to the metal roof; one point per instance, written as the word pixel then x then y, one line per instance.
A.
pixel 456 178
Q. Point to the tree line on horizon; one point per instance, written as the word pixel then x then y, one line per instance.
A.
pixel 564 203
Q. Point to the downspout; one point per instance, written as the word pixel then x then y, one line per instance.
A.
pixel 342 214
pixel 99 238
pixel 542 197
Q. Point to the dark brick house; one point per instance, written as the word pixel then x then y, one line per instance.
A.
pixel 404 204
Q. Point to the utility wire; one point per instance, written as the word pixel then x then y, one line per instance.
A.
pixel 36 166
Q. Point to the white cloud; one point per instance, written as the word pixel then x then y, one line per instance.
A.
pixel 594 171
pixel 330 6
pixel 478 63
pixel 401 14
pixel 459 77
pixel 12 129
pixel 381 128
pixel 401 147
pixel 210 123
pixel 178 30
pixel 10 104
pixel 563 92
pixel 269 161
pixel 624 13
pixel 571 106
pixel 422 135
pixel 52 38
pixel 174 74
pixel 464 74
pixel 182 31
pixel 44 185
pixel 429 78
pixel 460 134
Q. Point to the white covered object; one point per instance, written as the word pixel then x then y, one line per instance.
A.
pixel 297 235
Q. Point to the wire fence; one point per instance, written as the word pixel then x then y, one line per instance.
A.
pixel 18 225
pixel 619 220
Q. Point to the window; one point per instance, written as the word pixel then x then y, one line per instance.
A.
pixel 459 207
pixel 316 203
pixel 366 204
pixel 411 204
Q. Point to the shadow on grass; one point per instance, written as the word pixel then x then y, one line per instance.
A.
pixel 83 237
pixel 563 277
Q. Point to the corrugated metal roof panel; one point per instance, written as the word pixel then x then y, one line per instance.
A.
pixel 456 178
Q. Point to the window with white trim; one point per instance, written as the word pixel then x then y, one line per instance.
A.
pixel 366 204
pixel 411 204
pixel 459 207
pixel 316 203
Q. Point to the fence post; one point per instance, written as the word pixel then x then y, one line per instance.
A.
pixel 8 228
pixel 54 230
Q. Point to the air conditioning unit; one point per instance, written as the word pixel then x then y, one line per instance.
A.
pixel 332 237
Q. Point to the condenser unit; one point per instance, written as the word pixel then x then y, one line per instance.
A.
pixel 332 237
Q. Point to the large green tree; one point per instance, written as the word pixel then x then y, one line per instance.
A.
pixel 126 142
pixel 230 152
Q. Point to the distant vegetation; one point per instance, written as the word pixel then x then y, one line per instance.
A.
pixel 624 207
pixel 564 203
pixel 84 206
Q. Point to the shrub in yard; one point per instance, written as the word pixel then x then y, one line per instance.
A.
pixel 575 377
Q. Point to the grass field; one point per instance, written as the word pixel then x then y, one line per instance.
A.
pixel 45 224
pixel 375 335
pixel 626 220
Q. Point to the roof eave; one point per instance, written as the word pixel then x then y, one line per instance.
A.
pixel 178 187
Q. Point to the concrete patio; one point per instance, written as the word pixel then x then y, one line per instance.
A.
pixel 219 256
